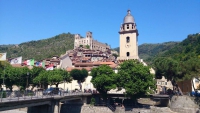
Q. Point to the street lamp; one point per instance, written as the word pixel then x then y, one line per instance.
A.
pixel 27 80
pixel 2 85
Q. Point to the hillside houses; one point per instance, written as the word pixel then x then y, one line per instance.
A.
pixel 88 59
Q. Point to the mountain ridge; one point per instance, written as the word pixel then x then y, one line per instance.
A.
pixel 59 44
pixel 40 49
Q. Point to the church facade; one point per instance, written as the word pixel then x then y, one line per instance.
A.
pixel 90 42
pixel 128 38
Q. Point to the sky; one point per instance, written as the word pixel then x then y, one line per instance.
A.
pixel 157 21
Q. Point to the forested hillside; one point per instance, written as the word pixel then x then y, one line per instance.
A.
pixel 180 62
pixel 148 52
pixel 40 49
pixel 188 48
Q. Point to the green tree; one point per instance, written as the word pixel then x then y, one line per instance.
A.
pixel 103 79
pixel 35 71
pixel 13 75
pixel 87 46
pixel 169 68
pixel 23 77
pixel 135 78
pixel 42 79
pixel 58 76
pixel 7 72
pixel 52 77
pixel 55 77
pixel 190 69
pixel 80 45
pixel 79 75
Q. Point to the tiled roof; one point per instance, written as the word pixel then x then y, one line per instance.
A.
pixel 96 63
pixel 83 64
pixel 107 63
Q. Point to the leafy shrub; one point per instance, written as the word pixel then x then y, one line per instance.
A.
pixel 92 102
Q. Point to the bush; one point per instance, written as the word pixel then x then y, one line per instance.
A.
pixel 92 102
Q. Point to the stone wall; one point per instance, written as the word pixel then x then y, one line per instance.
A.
pixel 183 104
pixel 95 109
pixel 66 108
pixel 103 109
pixel 185 110
pixel 88 109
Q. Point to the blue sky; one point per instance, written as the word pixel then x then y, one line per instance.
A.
pixel 157 20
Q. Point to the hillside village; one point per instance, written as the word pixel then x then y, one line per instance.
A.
pixel 88 53
pixel 79 57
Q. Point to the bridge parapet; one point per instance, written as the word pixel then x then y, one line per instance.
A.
pixel 36 101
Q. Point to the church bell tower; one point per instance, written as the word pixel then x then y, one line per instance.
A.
pixel 128 38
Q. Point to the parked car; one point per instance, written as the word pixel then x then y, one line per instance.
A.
pixel 51 91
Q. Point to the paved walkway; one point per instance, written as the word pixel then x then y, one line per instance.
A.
pixel 13 111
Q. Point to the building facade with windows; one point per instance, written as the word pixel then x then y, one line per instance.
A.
pixel 90 42
pixel 128 38
pixel 163 82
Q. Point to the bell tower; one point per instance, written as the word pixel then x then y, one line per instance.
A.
pixel 128 38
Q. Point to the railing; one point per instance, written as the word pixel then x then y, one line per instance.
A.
pixel 111 107
pixel 18 95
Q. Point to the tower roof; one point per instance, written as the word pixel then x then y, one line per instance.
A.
pixel 128 18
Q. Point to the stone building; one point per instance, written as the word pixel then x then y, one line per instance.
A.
pixel 128 38
pixel 163 82
pixel 90 42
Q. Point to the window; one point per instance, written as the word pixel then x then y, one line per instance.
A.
pixel 127 39
pixel 127 54
pixel 127 26
pixel 165 83
pixel 132 26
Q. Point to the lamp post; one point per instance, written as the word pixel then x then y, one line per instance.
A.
pixel 27 81
pixel 2 85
